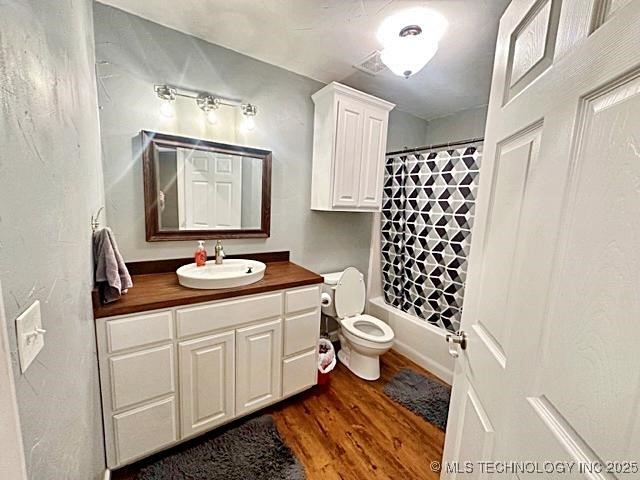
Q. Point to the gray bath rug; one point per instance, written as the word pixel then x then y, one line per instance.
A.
pixel 423 396
pixel 253 450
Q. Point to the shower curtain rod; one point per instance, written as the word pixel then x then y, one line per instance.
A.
pixel 439 145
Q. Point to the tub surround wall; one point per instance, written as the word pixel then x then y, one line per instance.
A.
pixel 50 185
pixel 132 55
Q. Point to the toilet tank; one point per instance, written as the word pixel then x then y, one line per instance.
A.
pixel 328 287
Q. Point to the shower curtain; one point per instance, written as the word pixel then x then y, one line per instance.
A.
pixel 427 214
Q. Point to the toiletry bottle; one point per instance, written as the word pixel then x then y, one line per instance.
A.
pixel 201 254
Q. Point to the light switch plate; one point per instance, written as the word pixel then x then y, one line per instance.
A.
pixel 30 335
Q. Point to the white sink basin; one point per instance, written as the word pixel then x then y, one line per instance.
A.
pixel 232 273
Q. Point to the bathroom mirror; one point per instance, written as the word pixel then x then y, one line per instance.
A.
pixel 197 189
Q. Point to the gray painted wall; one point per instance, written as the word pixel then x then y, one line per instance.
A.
pixel 457 126
pixel 133 54
pixel 50 184
pixel 405 131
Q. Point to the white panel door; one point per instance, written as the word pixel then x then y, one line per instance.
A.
pixel 373 153
pixel 259 365
pixel 210 190
pixel 551 371
pixel 348 153
pixel 207 382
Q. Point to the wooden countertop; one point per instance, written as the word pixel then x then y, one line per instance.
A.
pixel 162 290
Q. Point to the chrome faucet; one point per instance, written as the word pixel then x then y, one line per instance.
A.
pixel 219 252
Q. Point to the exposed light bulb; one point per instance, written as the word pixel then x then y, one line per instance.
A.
pixel 212 117
pixel 406 56
pixel 249 123
pixel 167 109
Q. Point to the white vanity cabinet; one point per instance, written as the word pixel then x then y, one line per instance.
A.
pixel 169 375
pixel 350 137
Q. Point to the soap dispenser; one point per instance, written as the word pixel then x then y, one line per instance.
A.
pixel 201 254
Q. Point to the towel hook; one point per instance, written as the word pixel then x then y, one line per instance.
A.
pixel 95 222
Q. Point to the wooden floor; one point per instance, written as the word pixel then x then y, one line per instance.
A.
pixel 350 430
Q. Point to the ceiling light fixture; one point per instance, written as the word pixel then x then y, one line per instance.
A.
pixel 249 111
pixel 410 39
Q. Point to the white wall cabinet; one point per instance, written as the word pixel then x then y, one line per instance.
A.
pixel 169 375
pixel 350 137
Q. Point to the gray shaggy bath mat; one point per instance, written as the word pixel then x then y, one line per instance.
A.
pixel 423 396
pixel 253 450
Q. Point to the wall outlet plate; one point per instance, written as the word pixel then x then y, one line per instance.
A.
pixel 30 335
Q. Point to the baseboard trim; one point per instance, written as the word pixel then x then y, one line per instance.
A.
pixel 107 475
pixel 440 371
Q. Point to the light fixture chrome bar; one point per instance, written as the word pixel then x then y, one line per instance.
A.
pixel 169 92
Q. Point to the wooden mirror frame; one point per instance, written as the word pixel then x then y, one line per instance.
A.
pixel 150 143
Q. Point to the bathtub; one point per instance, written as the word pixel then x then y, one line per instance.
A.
pixel 416 339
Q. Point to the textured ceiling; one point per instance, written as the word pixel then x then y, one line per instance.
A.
pixel 322 39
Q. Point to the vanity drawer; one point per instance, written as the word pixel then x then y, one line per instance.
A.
pixel 217 316
pixel 145 429
pixel 140 376
pixel 301 332
pixel 299 372
pixel 302 299
pixel 138 331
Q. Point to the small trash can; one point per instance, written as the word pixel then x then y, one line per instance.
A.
pixel 326 360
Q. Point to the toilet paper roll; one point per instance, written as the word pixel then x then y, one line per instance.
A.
pixel 325 300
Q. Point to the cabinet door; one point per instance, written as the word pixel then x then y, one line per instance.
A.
pixel 373 152
pixel 348 153
pixel 207 382
pixel 259 365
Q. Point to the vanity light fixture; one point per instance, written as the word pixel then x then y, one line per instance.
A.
pixel 249 111
pixel 209 104
pixel 410 39
pixel 168 95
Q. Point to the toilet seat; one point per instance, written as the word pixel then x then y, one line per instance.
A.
pixel 368 328
pixel 349 298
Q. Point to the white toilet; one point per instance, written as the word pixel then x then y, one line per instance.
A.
pixel 363 338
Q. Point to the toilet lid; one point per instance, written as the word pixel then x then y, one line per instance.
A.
pixel 349 293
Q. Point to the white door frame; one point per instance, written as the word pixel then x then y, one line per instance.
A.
pixel 12 464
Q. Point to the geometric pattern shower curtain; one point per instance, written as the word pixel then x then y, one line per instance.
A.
pixel 427 214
